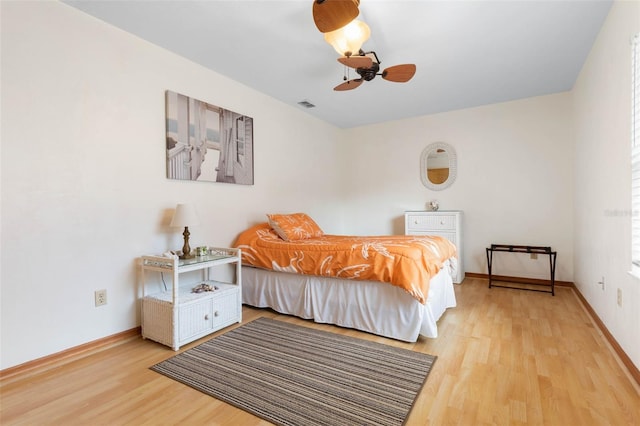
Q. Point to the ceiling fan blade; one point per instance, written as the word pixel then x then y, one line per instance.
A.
pixel 356 61
pixel 399 73
pixel 329 15
pixel 348 85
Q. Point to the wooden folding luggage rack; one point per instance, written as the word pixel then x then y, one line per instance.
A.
pixel 523 249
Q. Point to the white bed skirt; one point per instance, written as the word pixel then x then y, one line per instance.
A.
pixel 370 306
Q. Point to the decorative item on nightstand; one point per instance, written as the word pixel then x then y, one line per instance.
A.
pixel 433 205
pixel 186 216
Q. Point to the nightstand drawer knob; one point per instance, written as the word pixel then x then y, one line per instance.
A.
pixel 206 317
pixel 216 314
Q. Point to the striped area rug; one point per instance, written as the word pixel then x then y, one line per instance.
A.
pixel 293 375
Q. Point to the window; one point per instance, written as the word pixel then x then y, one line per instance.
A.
pixel 635 155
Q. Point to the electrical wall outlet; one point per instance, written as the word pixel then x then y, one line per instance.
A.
pixel 101 297
pixel 620 297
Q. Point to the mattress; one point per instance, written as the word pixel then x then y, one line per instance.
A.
pixel 364 305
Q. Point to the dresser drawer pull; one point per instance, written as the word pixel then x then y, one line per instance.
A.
pixel 206 317
pixel 216 314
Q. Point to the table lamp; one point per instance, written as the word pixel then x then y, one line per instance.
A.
pixel 186 216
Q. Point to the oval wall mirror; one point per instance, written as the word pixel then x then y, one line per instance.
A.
pixel 438 166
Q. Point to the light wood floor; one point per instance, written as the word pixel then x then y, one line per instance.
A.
pixel 505 357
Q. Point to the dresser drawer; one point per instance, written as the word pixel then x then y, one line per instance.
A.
pixel 431 223
pixel 451 236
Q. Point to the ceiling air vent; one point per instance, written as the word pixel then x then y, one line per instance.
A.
pixel 306 104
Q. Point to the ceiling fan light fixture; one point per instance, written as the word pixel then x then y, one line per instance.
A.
pixel 329 15
pixel 349 39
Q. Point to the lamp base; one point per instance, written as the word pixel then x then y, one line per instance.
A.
pixel 186 250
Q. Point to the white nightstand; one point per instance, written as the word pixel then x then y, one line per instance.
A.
pixel 447 224
pixel 177 316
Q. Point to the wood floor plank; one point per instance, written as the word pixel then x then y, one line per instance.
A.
pixel 505 357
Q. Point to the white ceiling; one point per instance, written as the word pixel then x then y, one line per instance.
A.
pixel 468 53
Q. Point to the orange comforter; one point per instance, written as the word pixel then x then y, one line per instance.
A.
pixel 406 261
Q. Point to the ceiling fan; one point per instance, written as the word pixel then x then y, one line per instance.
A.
pixel 334 18
pixel 367 65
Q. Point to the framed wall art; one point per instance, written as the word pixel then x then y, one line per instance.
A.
pixel 206 142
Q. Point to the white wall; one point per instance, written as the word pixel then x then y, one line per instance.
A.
pixel 514 179
pixel 602 101
pixel 84 191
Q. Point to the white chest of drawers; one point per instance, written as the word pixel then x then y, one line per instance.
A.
pixel 447 224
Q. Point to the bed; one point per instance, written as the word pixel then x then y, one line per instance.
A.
pixel 392 286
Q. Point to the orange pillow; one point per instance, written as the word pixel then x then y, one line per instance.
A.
pixel 295 226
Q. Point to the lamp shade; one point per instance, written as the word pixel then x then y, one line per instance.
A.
pixel 185 215
pixel 348 40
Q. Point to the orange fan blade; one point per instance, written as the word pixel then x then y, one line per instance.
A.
pixel 399 73
pixel 348 85
pixel 356 61
pixel 329 15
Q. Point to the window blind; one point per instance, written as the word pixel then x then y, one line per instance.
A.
pixel 635 153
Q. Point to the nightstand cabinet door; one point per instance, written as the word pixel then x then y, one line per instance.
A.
pixel 195 319
pixel 225 310
pixel 447 224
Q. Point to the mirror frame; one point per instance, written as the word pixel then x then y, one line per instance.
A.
pixel 453 166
